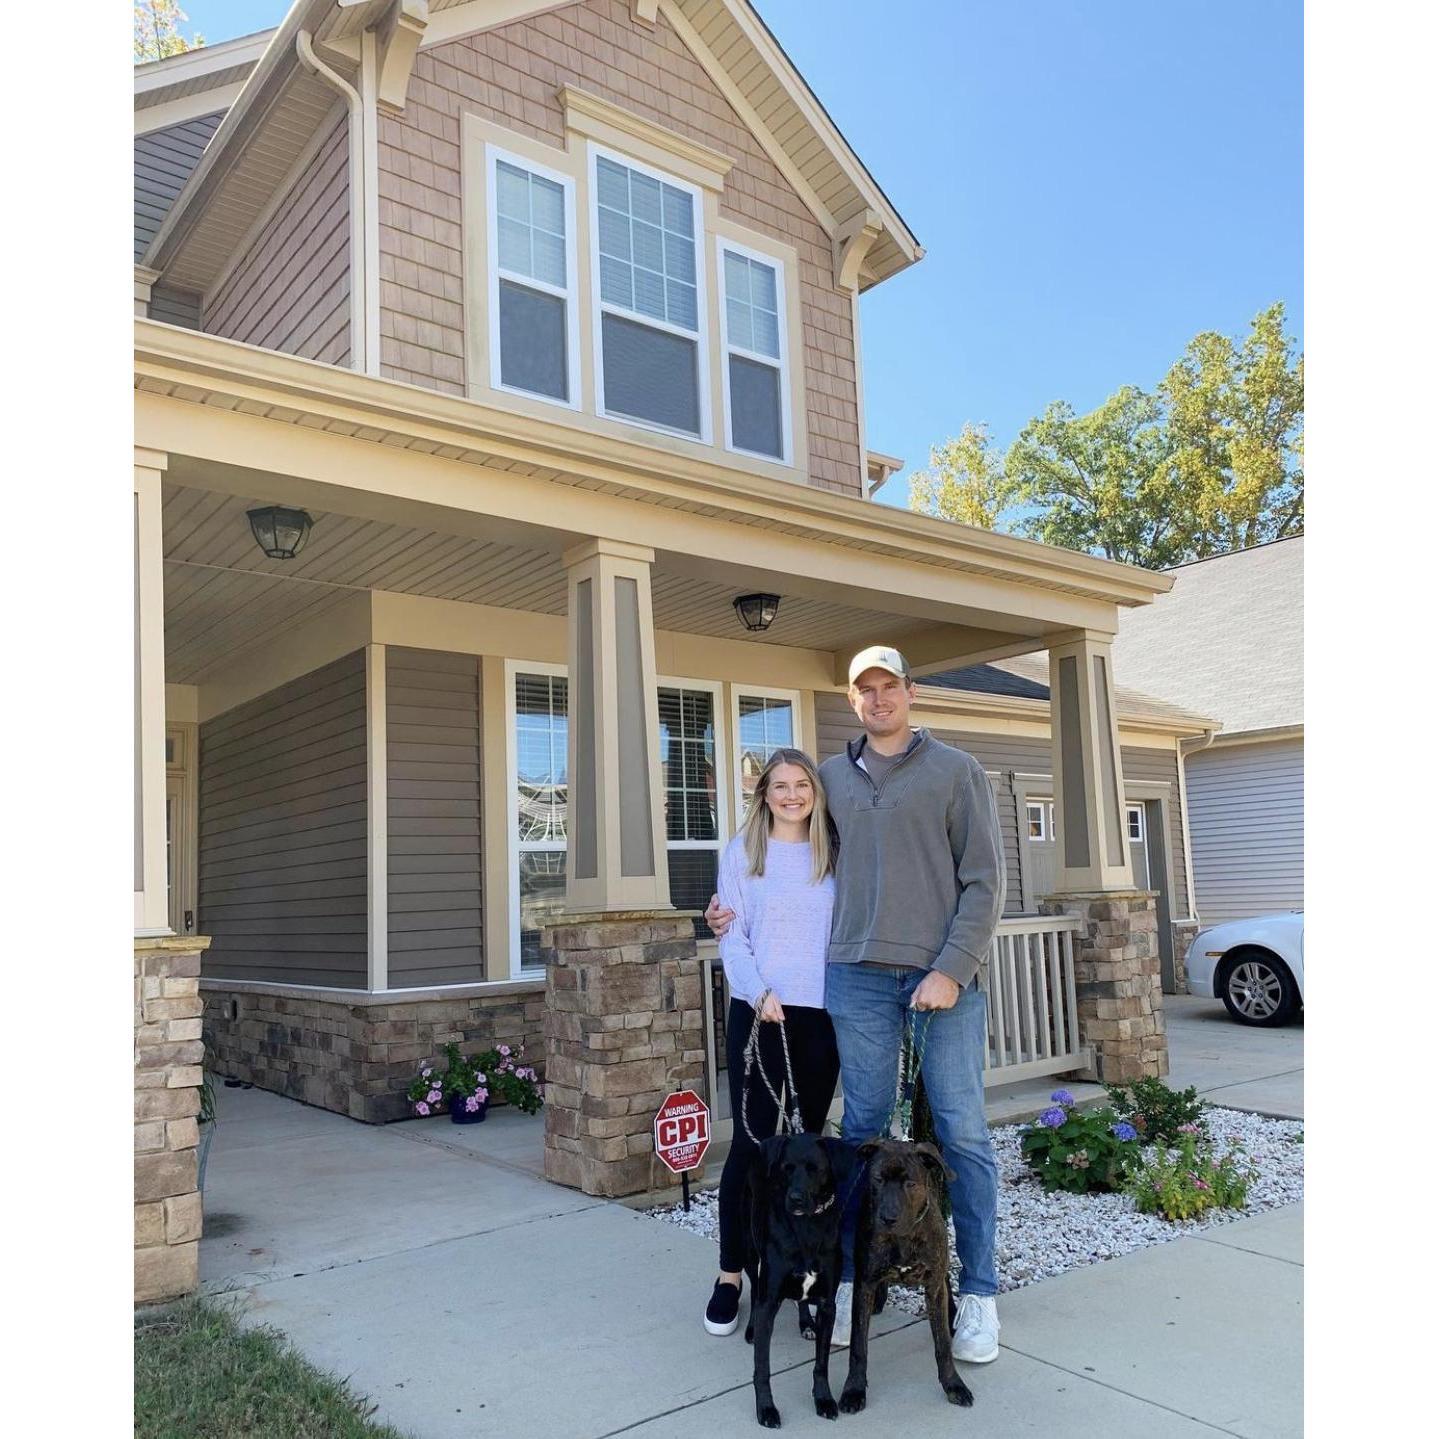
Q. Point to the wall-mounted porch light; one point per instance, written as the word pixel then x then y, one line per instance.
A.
pixel 279 531
pixel 756 612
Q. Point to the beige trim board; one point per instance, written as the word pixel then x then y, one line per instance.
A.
pixel 592 118
pixel 1278 735
pixel 186 107
pixel 359 998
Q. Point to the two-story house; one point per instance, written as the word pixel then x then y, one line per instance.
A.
pixel 501 484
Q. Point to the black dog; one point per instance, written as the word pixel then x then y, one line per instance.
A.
pixel 796 1185
pixel 901 1238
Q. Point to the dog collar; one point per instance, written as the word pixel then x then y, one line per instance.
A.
pixel 823 1206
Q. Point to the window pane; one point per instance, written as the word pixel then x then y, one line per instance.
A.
pixel 755 407
pixel 614 233
pixel 766 333
pixel 679 258
pixel 541 739
pixel 649 226
pixel 614 185
pixel 531 225
pixel 693 878
pixel 649 293
pixel 532 341
pixel 513 192
pixel 650 375
pixel 740 324
pixel 514 246
pixel 549 259
pixel 679 211
pixel 616 285
pixel 682 305
pixel 765 725
pixel 542 898
pixel 687 749
pixel 547 205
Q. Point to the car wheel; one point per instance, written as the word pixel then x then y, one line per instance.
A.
pixel 1257 988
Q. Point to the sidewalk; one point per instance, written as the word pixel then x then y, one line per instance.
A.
pixel 467 1297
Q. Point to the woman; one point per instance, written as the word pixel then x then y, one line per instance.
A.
pixel 777 874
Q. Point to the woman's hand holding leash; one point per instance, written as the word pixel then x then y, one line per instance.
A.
pixel 768 1008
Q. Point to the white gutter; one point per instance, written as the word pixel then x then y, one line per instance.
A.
pixel 363 356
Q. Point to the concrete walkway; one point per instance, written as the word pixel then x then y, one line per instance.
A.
pixel 467 1297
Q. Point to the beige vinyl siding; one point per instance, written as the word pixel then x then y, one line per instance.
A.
pixel 164 160
pixel 291 290
pixel 283 833
pixel 510 75
pixel 1006 755
pixel 1246 829
pixel 432 718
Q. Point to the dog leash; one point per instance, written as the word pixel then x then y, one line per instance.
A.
pixel 911 1064
pixel 792 1121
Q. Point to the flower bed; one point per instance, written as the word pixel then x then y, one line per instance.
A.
pixel 1043 1234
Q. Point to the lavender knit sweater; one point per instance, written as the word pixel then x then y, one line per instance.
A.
pixel 780 936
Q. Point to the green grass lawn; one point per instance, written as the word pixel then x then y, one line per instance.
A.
pixel 199 1375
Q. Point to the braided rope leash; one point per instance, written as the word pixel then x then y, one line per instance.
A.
pixel 791 1120
pixel 911 1065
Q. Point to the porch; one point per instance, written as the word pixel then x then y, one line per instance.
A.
pixel 504 685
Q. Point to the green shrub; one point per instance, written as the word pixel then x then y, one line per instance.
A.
pixel 1079 1151
pixel 1183 1182
pixel 1158 1112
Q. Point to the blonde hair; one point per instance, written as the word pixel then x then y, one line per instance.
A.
pixel 759 821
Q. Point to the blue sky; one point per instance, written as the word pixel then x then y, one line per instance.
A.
pixel 1094 182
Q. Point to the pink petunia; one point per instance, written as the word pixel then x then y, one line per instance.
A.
pixel 472 1104
pixel 422 1108
pixel 504 1049
pixel 481 1095
pixel 434 1096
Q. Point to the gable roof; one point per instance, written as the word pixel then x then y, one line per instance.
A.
pixel 1026 677
pixel 1227 640
pixel 282 105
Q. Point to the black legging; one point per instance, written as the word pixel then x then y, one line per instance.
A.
pixel 815 1060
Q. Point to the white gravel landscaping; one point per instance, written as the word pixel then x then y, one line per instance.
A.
pixel 1041 1235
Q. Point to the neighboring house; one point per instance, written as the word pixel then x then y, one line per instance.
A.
pixel 1228 641
pixel 546 316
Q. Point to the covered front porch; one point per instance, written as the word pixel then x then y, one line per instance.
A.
pixel 481 740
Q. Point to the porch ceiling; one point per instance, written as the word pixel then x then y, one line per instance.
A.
pixel 223 598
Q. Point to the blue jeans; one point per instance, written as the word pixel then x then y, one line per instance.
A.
pixel 869 1004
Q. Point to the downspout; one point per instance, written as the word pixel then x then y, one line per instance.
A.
pixel 1195 744
pixel 360 352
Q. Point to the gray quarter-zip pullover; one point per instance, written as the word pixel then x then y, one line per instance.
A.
pixel 920 877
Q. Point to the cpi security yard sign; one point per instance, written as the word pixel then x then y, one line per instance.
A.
pixel 682 1134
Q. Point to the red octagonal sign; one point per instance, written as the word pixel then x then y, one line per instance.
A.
pixel 682 1131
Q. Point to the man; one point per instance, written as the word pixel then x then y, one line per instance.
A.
pixel 919 889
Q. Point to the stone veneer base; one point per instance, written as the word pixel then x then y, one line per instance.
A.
pixel 1117 982
pixel 357 1054
pixel 169 1055
pixel 624 1027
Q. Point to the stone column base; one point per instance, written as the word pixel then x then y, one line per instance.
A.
pixel 1117 982
pixel 1182 932
pixel 623 1027
pixel 169 1055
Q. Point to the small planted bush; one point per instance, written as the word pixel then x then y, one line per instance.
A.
pixel 1078 1150
pixel 1158 1112
pixel 1184 1182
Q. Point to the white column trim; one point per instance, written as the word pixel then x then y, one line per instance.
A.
pixel 152 906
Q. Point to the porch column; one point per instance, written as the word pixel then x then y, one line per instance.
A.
pixel 623 1014
pixel 1116 964
pixel 152 902
pixel 616 847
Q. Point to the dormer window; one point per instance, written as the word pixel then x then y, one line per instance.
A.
pixel 650 351
pixel 532 282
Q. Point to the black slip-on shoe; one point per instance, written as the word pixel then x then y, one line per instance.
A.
pixel 722 1312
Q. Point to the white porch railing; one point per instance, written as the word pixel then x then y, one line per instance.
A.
pixel 1033 1014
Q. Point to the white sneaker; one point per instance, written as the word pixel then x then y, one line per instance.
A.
pixel 976 1331
pixel 843 1315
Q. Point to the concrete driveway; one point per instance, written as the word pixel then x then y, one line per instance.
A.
pixel 1236 1065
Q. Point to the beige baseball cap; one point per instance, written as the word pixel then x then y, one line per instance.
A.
pixel 878 657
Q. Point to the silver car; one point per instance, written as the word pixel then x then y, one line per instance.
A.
pixel 1256 966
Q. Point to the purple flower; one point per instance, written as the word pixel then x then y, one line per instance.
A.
pixel 1062 1096
pixel 426 1072
pixel 422 1108
pixel 1125 1130
pixel 472 1104
pixel 480 1078
pixel 481 1095
pixel 1052 1118
pixel 504 1049
pixel 1188 1129
pixel 433 1096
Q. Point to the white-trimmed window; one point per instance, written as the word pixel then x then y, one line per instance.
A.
pixel 690 765
pixel 533 330
pixel 756 369
pixel 1038 817
pixel 650 323
pixel 539 801
pixel 764 720
pixel 1135 818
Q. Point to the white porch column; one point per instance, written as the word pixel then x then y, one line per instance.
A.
pixel 616 848
pixel 1088 776
pixel 152 903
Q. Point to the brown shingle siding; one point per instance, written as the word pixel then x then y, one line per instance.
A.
pixel 510 75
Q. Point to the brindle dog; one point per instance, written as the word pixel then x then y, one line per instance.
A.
pixel 901 1238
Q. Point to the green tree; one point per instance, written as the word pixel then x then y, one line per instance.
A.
pixel 965 481
pixel 1210 462
pixel 157 31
